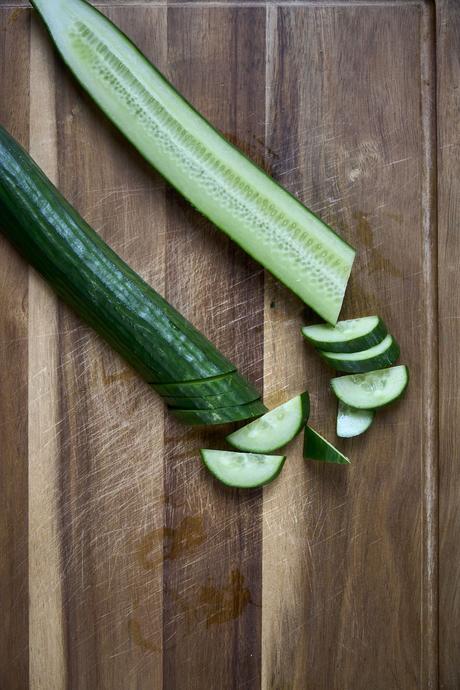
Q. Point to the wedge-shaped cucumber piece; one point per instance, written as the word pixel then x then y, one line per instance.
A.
pixel 372 390
pixel 242 470
pixel 275 428
pixel 352 422
pixel 222 415
pixel 317 448
pixel 377 357
pixel 351 335
pixel 241 199
pixel 233 386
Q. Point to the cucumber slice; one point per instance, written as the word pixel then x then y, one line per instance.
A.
pixel 240 198
pixel 233 386
pixel 206 402
pixel 351 335
pixel 377 357
pixel 373 389
pixel 242 470
pixel 223 415
pixel 316 447
pixel 275 428
pixel 352 422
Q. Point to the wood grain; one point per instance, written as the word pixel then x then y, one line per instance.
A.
pixel 212 582
pixel 14 618
pixel 352 138
pixel 141 572
pixel 111 434
pixel 46 647
pixel 448 75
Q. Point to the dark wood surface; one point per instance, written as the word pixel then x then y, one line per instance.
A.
pixel 122 564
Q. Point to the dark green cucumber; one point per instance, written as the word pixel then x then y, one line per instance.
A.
pixel 234 387
pixel 223 415
pixel 351 335
pixel 257 213
pixel 242 470
pixel 377 357
pixel 150 334
pixel 205 402
pixel 316 447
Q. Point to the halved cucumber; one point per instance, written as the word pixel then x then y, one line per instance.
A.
pixel 351 335
pixel 205 402
pixel 317 448
pixel 275 428
pixel 223 415
pixel 242 470
pixel 233 386
pixel 373 389
pixel 352 422
pixel 377 357
pixel 240 198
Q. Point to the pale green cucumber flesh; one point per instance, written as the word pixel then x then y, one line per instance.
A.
pixel 233 387
pixel 316 447
pixel 242 470
pixel 222 415
pixel 351 335
pixel 372 390
pixel 377 357
pixel 351 421
pixel 257 213
pixel 275 429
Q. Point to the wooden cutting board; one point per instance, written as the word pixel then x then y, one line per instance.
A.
pixel 122 564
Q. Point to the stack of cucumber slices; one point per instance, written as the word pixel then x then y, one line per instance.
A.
pixel 363 348
pixel 251 465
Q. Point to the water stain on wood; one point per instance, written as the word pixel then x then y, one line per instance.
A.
pixel 377 261
pixel 136 635
pixel 213 604
pixel 225 603
pixel 169 543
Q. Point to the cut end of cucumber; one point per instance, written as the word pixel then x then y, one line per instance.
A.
pixel 351 335
pixel 352 422
pixel 316 447
pixel 241 199
pixel 242 470
pixel 275 429
pixel 373 389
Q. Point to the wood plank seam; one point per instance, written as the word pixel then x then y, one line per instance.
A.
pixel 430 559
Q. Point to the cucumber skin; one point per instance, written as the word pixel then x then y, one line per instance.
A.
pixel 244 488
pixel 386 359
pixel 314 448
pixel 305 403
pixel 206 402
pixel 223 415
pixel 379 407
pixel 100 287
pixel 363 342
pixel 233 386
pixel 332 320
